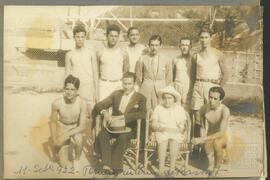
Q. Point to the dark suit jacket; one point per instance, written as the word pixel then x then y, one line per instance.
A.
pixel 136 108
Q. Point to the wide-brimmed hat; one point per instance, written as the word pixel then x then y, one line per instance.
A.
pixel 170 90
pixel 118 125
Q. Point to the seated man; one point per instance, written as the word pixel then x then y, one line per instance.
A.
pixel 68 118
pixel 215 117
pixel 128 105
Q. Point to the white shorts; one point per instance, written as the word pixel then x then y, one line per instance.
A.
pixel 107 87
pixel 200 94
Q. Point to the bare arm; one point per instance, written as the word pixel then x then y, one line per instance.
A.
pixel 68 64
pixel 125 63
pixel 82 120
pixel 223 125
pixel 193 70
pixel 95 74
pixel 139 72
pixel 224 71
pixel 169 73
pixel 54 119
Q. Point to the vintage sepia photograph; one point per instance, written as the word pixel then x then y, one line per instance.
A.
pixel 133 92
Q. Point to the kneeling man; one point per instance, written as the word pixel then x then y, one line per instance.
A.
pixel 215 118
pixel 127 106
pixel 68 118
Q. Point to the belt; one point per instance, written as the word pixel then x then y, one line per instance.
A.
pixel 209 80
pixel 109 80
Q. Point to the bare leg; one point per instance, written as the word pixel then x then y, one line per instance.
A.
pixel 78 138
pixel 64 156
pixel 173 153
pixel 162 149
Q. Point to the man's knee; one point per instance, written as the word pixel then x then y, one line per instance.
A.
pixel 78 139
pixel 219 145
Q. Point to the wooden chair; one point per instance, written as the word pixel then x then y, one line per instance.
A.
pixel 131 155
pixel 151 146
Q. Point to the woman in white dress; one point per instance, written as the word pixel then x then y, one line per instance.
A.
pixel 169 121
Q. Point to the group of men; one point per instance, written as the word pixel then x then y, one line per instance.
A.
pixel 128 80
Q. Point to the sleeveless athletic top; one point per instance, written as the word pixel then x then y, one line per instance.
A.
pixel 66 109
pixel 111 63
pixel 134 54
pixel 182 72
pixel 82 65
pixel 208 68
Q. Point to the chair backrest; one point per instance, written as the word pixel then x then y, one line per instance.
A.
pixel 149 132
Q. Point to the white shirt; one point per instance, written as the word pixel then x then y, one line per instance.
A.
pixel 134 54
pixel 124 101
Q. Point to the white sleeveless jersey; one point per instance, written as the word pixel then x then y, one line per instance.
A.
pixel 134 54
pixel 82 65
pixel 208 68
pixel 111 63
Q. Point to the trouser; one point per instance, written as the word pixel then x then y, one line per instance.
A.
pixel 112 155
pixel 215 151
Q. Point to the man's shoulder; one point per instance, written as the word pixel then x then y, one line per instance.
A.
pixel 204 109
pixel 217 52
pixel 140 96
pixel 225 109
pixel 56 102
pixel 145 57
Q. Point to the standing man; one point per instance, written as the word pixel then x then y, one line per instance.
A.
pixel 208 70
pixel 134 48
pixel 154 72
pixel 127 106
pixel 215 119
pixel 112 63
pixel 81 63
pixel 182 72
pixel 68 120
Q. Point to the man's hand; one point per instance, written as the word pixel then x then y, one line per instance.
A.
pixel 182 127
pixel 161 129
pixel 106 118
pixel 196 141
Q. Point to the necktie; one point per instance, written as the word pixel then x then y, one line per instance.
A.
pixel 154 65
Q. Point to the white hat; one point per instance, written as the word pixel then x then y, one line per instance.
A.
pixel 170 90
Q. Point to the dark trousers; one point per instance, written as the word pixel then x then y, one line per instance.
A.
pixel 112 155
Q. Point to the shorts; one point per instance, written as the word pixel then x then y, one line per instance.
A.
pixel 183 90
pixel 200 94
pixel 87 93
pixel 106 88
pixel 63 129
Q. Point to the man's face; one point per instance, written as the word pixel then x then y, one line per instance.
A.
pixel 70 91
pixel 128 84
pixel 134 36
pixel 185 46
pixel 214 99
pixel 205 39
pixel 154 46
pixel 79 39
pixel 168 100
pixel 112 38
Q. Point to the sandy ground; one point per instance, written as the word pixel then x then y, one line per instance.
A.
pixel 26 116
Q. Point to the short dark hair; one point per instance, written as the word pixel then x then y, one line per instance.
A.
pixel 79 28
pixel 218 90
pixel 206 29
pixel 73 80
pixel 155 37
pixel 112 27
pixel 129 75
pixel 186 38
pixel 130 29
